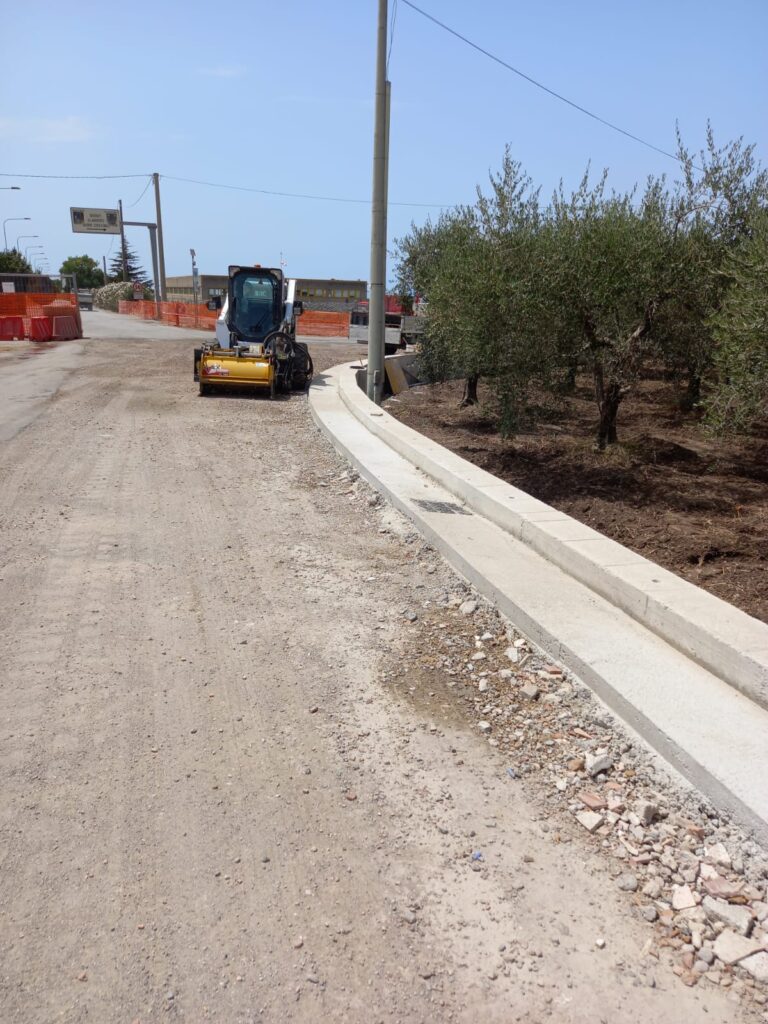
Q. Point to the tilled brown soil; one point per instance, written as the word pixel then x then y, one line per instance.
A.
pixel 694 504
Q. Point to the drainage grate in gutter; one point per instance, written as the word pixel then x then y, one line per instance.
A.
pixel 447 508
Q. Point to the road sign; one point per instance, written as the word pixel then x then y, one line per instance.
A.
pixel 89 221
pixel 138 290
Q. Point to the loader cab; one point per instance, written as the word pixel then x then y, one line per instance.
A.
pixel 255 306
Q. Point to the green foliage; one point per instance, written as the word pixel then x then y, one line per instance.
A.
pixel 87 270
pixel 596 281
pixel 12 262
pixel 739 395
pixel 135 271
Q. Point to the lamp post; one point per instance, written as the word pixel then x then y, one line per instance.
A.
pixel 8 221
pixel 30 247
pixel 20 238
pixel 195 278
pixel 10 188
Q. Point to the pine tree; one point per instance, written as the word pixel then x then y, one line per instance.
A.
pixel 134 269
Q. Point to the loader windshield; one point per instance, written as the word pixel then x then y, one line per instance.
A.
pixel 255 304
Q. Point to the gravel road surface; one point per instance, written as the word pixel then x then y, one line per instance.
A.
pixel 214 808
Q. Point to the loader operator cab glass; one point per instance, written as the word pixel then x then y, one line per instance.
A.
pixel 256 303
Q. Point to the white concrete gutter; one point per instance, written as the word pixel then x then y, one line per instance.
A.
pixel 713 733
pixel 719 636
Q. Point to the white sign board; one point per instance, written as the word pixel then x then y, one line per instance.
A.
pixel 88 221
pixel 8 287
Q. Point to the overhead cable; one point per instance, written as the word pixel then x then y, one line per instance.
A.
pixel 218 184
pixel 82 177
pixel 294 195
pixel 137 201
pixel 540 85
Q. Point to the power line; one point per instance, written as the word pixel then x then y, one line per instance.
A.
pixel 218 184
pixel 540 85
pixel 295 195
pixel 392 33
pixel 136 203
pixel 71 177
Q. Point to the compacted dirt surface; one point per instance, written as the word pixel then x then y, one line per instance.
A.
pixel 216 804
pixel 696 505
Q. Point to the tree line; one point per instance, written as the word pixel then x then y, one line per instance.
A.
pixel 528 295
pixel 89 273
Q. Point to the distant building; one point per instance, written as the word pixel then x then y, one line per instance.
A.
pixel 331 293
pixel 179 289
pixel 315 292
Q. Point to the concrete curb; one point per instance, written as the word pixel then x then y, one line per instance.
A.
pixel 712 735
pixel 725 640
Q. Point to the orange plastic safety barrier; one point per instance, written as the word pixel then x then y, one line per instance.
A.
pixel 11 328
pixel 323 325
pixel 40 304
pixel 40 328
pixel 178 314
pixel 186 314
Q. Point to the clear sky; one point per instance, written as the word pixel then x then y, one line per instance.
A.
pixel 279 96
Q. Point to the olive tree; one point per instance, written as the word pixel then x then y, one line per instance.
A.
pixel 739 393
pixel 711 208
pixel 602 281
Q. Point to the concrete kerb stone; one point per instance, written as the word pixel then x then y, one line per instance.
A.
pixel 710 734
pixel 722 638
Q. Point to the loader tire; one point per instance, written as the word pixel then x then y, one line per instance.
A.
pixel 205 389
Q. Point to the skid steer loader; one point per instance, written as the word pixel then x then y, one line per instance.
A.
pixel 255 346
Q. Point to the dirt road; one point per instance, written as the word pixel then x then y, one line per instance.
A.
pixel 213 808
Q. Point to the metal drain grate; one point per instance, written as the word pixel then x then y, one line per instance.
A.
pixel 447 508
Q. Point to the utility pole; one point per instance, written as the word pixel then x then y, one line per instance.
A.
pixel 153 247
pixel 376 321
pixel 160 245
pixel 122 241
pixel 104 264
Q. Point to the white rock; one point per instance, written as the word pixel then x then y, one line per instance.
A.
pixel 484 727
pixel 513 654
pixel 731 947
pixel 738 918
pixel 589 820
pixel 757 965
pixel 468 607
pixel 682 898
pixel 718 855
pixel 597 763
pixel 646 811
pixel 482 685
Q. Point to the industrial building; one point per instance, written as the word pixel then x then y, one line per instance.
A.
pixel 335 295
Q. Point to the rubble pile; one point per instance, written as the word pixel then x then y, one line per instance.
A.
pixel 689 871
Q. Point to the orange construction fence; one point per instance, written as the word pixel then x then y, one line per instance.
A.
pixel 187 314
pixel 323 325
pixel 177 314
pixel 29 305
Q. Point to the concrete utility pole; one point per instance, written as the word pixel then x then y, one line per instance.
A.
pixel 153 248
pixel 376 322
pixel 122 241
pixel 104 264
pixel 160 245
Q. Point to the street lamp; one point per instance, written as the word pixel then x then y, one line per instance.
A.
pixel 7 221
pixel 11 188
pixel 20 238
pixel 29 248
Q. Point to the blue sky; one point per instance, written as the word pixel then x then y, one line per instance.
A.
pixel 279 96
